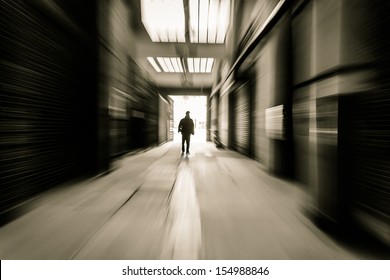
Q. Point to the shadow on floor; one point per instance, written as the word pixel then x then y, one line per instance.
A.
pixel 353 237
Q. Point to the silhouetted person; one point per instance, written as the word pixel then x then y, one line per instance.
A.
pixel 186 127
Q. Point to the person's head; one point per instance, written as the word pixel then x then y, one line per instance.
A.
pixel 188 114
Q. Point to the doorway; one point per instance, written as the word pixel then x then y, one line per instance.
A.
pixel 197 105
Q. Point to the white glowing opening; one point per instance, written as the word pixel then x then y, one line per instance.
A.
pixel 209 20
pixel 164 20
pixel 154 64
pixel 197 105
pixel 200 65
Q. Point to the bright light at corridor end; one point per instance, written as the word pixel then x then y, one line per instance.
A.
pixel 164 20
pixel 197 105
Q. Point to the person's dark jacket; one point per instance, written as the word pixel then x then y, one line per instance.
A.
pixel 186 126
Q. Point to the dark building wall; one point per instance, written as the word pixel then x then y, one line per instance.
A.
pixel 273 90
pixel 48 101
pixel 130 102
pixel 261 81
pixel 248 17
pixel 327 64
pixel 340 100
pixel 72 97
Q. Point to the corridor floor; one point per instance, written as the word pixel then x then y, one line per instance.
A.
pixel 212 204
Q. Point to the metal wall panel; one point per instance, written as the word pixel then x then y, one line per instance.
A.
pixel 242 119
pixel 369 143
pixel 48 102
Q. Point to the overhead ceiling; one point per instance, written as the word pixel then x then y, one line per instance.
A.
pixel 145 48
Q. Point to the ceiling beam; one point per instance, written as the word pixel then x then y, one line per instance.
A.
pixel 145 49
pixel 185 91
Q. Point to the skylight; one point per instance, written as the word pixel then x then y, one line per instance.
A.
pixel 209 21
pixel 175 64
pixel 167 64
pixel 164 20
pixel 200 65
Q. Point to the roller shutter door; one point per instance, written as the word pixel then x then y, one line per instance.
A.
pixel 242 120
pixel 47 111
pixel 370 157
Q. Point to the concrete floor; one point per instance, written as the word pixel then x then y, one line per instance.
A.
pixel 212 204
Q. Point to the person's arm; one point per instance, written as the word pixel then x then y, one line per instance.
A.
pixel 180 126
pixel 192 128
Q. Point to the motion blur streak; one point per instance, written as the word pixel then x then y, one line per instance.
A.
pixel 184 229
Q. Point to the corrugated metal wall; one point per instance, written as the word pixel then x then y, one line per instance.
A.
pixel 48 103
pixel 72 98
pixel 122 81
pixel 242 115
pixel 369 124
pixel 370 161
pixel 133 101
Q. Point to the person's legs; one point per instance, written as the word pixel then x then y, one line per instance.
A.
pixel 182 142
pixel 188 143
